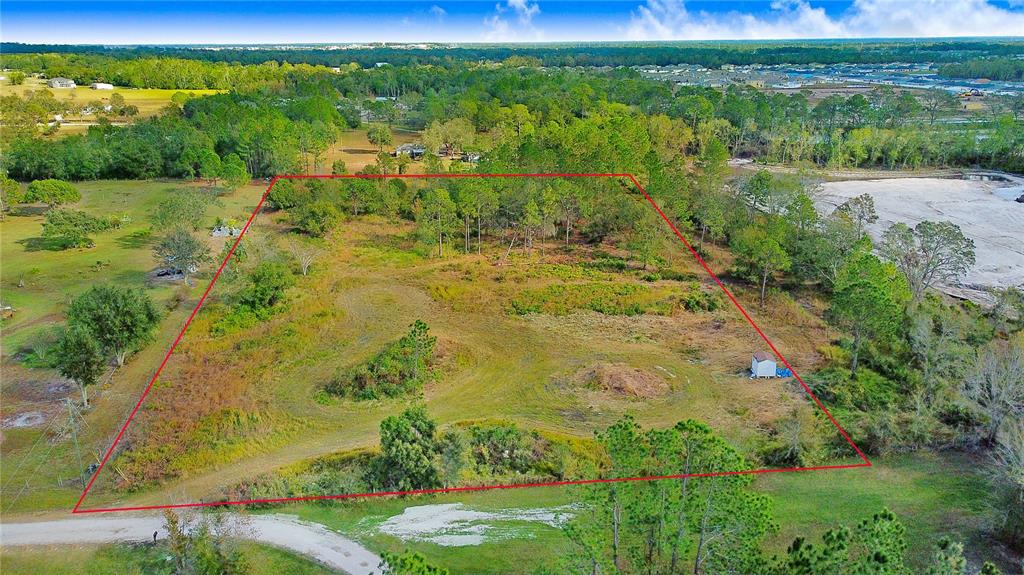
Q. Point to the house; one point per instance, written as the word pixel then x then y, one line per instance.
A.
pixel 226 231
pixel 101 86
pixel 763 365
pixel 414 151
pixel 60 83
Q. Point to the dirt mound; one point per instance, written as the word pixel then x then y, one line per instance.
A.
pixel 623 379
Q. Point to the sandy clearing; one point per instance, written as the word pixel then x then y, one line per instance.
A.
pixel 995 223
pixel 283 531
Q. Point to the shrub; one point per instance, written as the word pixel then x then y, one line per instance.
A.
pixel 606 298
pixel 401 368
pixel 71 228
pixel 317 218
pixel 258 299
pixel 502 448
pixel 696 299
pixel 53 192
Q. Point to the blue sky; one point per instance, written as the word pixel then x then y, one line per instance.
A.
pixel 301 21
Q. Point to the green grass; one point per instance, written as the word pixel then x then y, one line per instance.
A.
pixel 934 496
pixel 535 543
pixel 39 283
pixel 148 100
pixel 140 559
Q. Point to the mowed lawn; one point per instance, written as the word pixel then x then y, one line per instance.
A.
pixel 935 495
pixel 39 471
pixel 357 152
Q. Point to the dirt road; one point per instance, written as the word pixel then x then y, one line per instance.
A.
pixel 282 531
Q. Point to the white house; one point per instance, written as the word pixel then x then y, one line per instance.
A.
pixel 763 365
pixel 60 83
pixel 101 86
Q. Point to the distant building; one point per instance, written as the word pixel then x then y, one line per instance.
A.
pixel 60 83
pixel 471 157
pixel 414 151
pixel 101 86
pixel 763 365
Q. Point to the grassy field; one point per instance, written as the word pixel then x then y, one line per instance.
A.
pixel 140 559
pixel 356 151
pixel 934 496
pixel 38 282
pixel 371 282
pixel 149 101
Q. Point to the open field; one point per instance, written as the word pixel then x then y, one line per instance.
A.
pixel 357 152
pixel 371 281
pixel 38 282
pixel 992 221
pixel 149 101
pixel 923 489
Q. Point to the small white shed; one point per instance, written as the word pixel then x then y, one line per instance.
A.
pixel 101 86
pixel 763 365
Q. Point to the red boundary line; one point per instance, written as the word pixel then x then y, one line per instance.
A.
pixel 252 217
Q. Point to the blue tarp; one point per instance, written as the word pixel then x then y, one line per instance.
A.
pixel 783 372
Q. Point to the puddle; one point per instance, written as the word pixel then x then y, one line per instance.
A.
pixel 455 525
pixel 27 419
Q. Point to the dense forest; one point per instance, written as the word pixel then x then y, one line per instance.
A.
pixel 286 125
pixel 1008 69
pixel 709 54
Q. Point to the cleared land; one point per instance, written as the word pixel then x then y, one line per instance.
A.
pixel 992 220
pixel 149 101
pixel 39 464
pixel 919 487
pixel 231 407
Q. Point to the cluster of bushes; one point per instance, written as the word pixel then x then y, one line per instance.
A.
pixel 72 228
pixel 606 298
pixel 259 299
pixel 414 454
pixel 401 368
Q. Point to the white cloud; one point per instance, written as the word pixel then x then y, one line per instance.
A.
pixel 671 20
pixel 500 29
pixel 438 11
pixel 524 10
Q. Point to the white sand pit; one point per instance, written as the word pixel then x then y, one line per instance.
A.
pixel 983 212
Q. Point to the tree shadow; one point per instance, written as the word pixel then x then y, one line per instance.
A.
pixel 135 240
pixel 29 210
pixel 43 244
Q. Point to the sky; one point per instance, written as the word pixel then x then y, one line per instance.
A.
pixel 136 22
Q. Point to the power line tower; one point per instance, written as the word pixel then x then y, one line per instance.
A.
pixel 74 424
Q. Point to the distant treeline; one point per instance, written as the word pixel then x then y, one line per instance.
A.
pixel 1005 69
pixel 155 72
pixel 710 54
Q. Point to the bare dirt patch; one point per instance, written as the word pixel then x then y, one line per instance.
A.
pixel 623 379
pixel 993 222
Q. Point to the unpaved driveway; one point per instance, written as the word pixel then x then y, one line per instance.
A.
pixel 282 531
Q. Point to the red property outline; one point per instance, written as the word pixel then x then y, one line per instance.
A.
pixel 631 178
